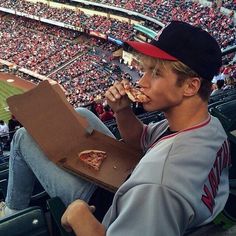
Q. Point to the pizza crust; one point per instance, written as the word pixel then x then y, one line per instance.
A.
pixel 92 150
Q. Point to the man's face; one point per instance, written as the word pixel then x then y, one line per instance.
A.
pixel 160 85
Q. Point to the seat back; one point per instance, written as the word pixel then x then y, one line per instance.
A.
pixel 215 98
pixel 4 166
pixel 232 140
pixel 3 189
pixel 226 113
pixel 4 174
pixel 57 208
pixel 28 222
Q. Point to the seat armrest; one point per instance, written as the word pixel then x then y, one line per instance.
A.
pixel 57 209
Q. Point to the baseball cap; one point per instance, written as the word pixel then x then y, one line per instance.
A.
pixel 191 45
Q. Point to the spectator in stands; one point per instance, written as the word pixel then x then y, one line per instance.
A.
pixel 3 129
pixel 93 108
pixel 181 182
pixel 219 87
pixel 13 125
pixel 107 114
pixel 99 108
pixel 4 135
pixel 229 83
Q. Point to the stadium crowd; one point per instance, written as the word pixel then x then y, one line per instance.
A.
pixel 43 47
pixel 87 78
pixel 141 6
pixel 210 18
pixel 78 18
pixel 53 47
pixel 230 4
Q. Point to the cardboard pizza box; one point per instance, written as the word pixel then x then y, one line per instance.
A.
pixel 62 134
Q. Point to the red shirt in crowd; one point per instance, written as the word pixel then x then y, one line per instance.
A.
pixel 106 115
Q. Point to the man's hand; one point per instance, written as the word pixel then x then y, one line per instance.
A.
pixel 79 218
pixel 116 96
pixel 129 125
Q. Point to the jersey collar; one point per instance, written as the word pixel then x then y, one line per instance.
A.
pixel 200 125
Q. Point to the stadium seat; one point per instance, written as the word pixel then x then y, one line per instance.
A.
pixel 4 166
pixel 232 140
pixel 230 92
pixel 39 195
pixel 214 104
pixel 57 208
pixel 216 98
pixel 3 189
pixel 230 97
pixel 4 173
pixel 222 101
pixel 39 199
pixel 28 222
pixel 4 157
pixel 227 218
pixel 226 113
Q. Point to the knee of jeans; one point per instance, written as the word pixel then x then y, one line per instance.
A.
pixel 94 121
pixel 84 111
pixel 22 132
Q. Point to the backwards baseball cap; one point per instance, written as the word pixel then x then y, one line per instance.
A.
pixel 191 45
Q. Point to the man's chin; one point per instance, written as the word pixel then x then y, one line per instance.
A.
pixel 148 108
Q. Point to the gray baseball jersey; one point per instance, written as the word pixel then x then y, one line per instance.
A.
pixel 180 183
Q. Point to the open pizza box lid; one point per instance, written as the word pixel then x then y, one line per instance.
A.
pixel 61 133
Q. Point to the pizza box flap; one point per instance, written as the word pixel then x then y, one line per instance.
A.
pixel 61 133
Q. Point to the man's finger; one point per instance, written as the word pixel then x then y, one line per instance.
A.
pixel 125 83
pixel 109 96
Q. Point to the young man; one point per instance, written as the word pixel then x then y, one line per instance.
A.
pixel 182 180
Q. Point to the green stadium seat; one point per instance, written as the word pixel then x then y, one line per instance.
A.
pixel 3 189
pixel 4 174
pixel 226 113
pixel 57 208
pixel 227 218
pixel 232 140
pixel 28 222
pixel 4 166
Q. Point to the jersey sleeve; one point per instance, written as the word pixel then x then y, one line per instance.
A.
pixel 151 210
pixel 150 134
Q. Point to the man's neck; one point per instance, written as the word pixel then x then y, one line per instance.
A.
pixel 187 116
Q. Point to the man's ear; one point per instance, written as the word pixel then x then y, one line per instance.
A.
pixel 192 86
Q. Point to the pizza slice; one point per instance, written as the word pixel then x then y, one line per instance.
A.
pixel 135 95
pixel 93 158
